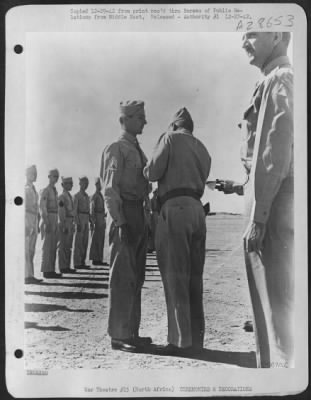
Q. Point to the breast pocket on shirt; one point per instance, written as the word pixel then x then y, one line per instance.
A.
pixel 131 168
pixel 132 161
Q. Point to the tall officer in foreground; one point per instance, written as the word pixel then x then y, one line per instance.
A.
pixel 125 189
pixel 31 223
pixel 49 226
pixel 180 164
pixel 66 227
pixel 81 206
pixel 267 155
pixel 98 217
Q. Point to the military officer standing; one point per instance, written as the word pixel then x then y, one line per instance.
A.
pixel 98 217
pixel 180 164
pixel 81 204
pixel 31 223
pixel 125 189
pixel 267 155
pixel 49 226
pixel 66 227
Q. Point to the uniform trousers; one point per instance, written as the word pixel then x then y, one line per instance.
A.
pixel 65 244
pixel 31 233
pixel 49 247
pixel 271 276
pixel 98 238
pixel 180 246
pixel 81 240
pixel 127 274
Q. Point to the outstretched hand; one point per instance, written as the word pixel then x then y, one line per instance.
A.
pixel 229 187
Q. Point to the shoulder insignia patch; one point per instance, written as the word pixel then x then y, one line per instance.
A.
pixel 113 163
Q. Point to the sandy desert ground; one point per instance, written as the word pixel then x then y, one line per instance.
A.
pixel 66 319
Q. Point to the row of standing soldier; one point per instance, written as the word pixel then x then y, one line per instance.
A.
pixel 64 222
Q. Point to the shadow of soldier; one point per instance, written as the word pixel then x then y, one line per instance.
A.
pixel 241 359
pixel 34 325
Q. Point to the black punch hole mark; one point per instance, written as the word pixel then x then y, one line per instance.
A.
pixel 18 353
pixel 18 201
pixel 18 49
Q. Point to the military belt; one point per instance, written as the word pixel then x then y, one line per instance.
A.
pixel 128 202
pixel 178 193
pixel 32 212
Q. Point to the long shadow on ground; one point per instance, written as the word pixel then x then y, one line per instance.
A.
pixel 77 285
pixel 34 325
pixel 241 359
pixel 91 272
pixel 69 295
pixel 38 307
pixel 83 278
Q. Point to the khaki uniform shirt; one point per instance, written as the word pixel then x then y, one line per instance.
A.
pixel 48 202
pixel 97 205
pixel 122 173
pixel 179 160
pixel 31 199
pixel 267 149
pixel 65 209
pixel 81 205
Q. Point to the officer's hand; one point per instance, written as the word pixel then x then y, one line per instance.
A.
pixel 124 233
pixel 238 189
pixel 78 227
pixel 228 187
pixel 253 237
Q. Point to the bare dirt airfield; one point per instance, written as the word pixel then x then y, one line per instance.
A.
pixel 66 319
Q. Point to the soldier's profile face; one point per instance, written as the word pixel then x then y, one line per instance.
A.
pixel 135 123
pixel 258 46
pixel 32 175
pixel 54 178
pixel 68 186
pixel 84 184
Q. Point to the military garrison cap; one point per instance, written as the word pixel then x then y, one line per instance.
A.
pixel 67 179
pixel 53 172
pixel 131 107
pixel 84 179
pixel 182 118
pixel 31 168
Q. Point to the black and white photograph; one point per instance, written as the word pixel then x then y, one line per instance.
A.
pixel 156 230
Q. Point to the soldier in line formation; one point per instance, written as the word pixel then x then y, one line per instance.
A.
pixel 64 220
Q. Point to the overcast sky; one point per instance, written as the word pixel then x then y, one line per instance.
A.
pixel 75 82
